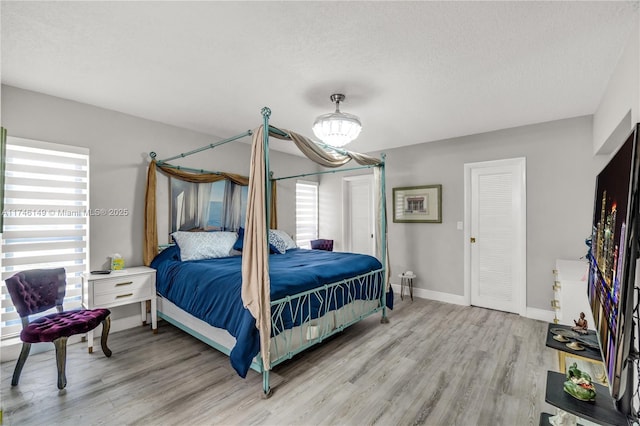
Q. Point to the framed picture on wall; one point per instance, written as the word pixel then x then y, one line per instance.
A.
pixel 417 204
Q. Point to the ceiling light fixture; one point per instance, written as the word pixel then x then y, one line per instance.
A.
pixel 337 128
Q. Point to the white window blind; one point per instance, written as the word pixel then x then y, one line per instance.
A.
pixel 46 218
pixel 306 213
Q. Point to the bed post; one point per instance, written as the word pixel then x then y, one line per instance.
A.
pixel 383 238
pixel 266 113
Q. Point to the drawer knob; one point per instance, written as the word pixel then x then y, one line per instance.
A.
pixel 120 296
pixel 127 283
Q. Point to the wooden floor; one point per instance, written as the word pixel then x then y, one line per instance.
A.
pixel 434 364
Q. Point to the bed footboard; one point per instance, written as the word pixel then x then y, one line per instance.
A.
pixel 307 318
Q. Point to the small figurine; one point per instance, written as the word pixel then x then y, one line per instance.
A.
pixel 581 325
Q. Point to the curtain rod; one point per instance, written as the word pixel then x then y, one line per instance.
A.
pixel 328 171
pixel 210 146
pixel 189 169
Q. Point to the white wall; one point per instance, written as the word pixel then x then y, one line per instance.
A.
pixel 119 145
pixel 560 186
pixel 619 108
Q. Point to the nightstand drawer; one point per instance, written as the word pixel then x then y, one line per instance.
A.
pixel 124 296
pixel 122 285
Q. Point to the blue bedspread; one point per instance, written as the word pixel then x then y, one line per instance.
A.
pixel 211 289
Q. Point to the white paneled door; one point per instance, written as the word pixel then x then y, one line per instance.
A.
pixel 358 214
pixel 495 234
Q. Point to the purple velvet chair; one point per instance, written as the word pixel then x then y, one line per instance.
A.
pixel 321 244
pixel 39 290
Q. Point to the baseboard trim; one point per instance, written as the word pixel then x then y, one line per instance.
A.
pixel 533 313
pixel 434 295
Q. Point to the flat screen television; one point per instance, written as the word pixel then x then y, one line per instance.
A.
pixel 612 260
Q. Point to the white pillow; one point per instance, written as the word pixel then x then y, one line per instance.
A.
pixel 204 245
pixel 288 241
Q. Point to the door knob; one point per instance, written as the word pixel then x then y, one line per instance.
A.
pixel 473 240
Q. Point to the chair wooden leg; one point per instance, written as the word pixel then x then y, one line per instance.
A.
pixel 24 353
pixel 61 360
pixel 106 325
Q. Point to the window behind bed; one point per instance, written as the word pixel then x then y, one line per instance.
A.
pixel 216 206
pixel 46 217
pixel 306 213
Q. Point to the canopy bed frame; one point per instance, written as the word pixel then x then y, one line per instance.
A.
pixel 279 339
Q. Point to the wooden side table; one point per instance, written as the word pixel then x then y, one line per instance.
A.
pixel 131 285
pixel 406 280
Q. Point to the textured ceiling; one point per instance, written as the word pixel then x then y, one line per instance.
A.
pixel 412 71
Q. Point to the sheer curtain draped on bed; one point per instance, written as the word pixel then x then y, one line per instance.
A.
pixel 202 214
pixel 209 206
pixel 232 203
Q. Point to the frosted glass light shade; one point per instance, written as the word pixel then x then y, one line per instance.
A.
pixel 337 128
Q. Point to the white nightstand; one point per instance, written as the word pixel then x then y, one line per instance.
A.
pixel 135 284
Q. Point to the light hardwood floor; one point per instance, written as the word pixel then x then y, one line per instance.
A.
pixel 434 364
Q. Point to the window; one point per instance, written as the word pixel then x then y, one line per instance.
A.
pixel 46 218
pixel 306 213
pixel 212 206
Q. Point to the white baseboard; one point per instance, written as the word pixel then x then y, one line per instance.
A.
pixel 433 295
pixel 533 313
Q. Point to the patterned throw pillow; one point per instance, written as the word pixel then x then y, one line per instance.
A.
pixel 276 243
pixel 204 245
pixel 286 238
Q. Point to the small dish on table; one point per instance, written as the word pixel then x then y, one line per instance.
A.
pixel 575 346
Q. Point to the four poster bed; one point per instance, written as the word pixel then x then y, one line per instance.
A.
pixel 260 308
